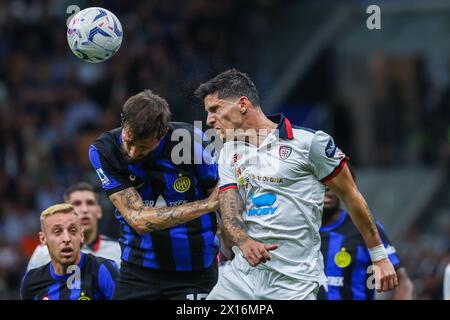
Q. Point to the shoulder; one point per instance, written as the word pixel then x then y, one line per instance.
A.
pixel 310 136
pixel 96 263
pixel 107 141
pixel 303 130
pixel 105 151
pixel 42 270
pixel 35 276
pixel 322 147
pixel 303 137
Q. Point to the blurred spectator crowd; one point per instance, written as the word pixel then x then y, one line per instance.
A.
pixel 53 105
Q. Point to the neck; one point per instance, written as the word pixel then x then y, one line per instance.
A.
pixel 90 236
pixel 331 217
pixel 61 269
pixel 258 127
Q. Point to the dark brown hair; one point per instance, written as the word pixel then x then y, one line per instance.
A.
pixel 146 115
pixel 230 84
pixel 80 186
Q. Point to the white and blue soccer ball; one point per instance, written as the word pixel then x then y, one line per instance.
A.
pixel 94 34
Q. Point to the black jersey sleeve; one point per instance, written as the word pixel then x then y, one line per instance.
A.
pixel 107 169
pixel 25 293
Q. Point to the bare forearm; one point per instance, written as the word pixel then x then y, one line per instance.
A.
pixel 231 209
pixel 225 245
pixel 344 186
pixel 145 219
pixel 363 219
pixel 163 218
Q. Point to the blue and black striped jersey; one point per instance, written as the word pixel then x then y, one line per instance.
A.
pixel 160 182
pixel 95 281
pixel 347 260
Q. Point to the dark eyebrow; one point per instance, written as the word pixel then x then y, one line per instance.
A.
pixel 214 106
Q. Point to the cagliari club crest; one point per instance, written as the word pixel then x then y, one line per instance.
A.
pixel 284 152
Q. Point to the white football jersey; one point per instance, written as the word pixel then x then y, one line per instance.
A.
pixel 281 182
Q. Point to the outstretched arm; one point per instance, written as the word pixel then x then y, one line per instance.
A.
pixel 344 186
pixel 145 219
pixel 231 209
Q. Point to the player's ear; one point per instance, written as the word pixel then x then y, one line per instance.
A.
pixel 99 212
pixel 42 238
pixel 244 103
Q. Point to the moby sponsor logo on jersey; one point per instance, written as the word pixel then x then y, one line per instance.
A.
pixel 264 205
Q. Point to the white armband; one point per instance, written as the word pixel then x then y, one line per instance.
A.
pixel 378 253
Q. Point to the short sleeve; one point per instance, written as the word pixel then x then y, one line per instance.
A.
pixel 110 178
pixel 227 177
pixel 390 249
pixel 326 159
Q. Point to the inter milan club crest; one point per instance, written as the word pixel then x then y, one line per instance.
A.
pixel 182 184
pixel 284 152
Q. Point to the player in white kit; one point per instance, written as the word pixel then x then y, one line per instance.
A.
pixel 280 171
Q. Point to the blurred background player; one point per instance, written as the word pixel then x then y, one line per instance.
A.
pixel 446 285
pixel 71 274
pixel 167 219
pixel 347 258
pixel 272 181
pixel 85 200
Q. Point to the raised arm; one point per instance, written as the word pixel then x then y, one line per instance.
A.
pixel 344 186
pixel 231 208
pixel 145 219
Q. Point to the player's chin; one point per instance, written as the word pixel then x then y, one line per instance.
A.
pixel 87 225
pixel 135 159
pixel 67 257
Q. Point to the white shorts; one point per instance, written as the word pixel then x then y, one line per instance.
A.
pixel 240 281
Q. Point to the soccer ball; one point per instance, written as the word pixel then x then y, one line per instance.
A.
pixel 94 34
